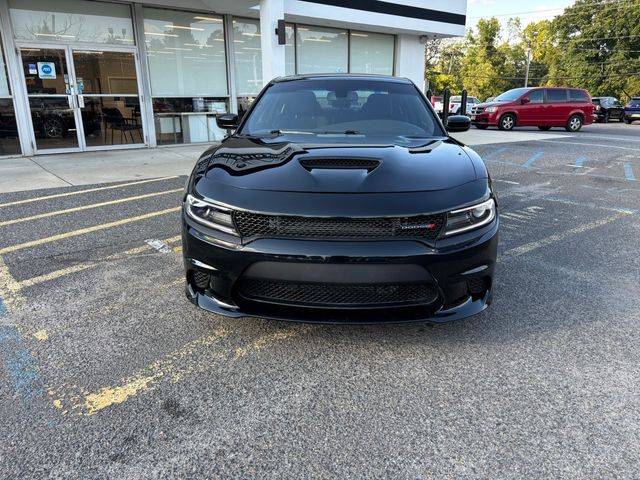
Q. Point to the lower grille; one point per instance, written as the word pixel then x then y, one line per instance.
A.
pixel 478 285
pixel 337 295
pixel 251 225
pixel 201 280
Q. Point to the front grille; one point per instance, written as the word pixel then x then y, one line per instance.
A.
pixel 476 110
pixel 337 295
pixel 251 225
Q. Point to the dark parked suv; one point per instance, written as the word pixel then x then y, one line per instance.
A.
pixel 537 107
pixel 607 108
pixel 340 198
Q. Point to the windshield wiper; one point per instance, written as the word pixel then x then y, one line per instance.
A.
pixel 343 132
pixel 293 132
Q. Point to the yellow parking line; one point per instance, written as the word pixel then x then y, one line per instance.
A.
pixel 85 266
pixel 9 288
pixel 87 207
pixel 78 192
pixel 172 367
pixel 83 231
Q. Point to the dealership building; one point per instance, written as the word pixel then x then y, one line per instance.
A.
pixel 82 75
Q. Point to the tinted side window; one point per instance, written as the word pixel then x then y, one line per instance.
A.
pixel 556 96
pixel 535 96
pixel 579 96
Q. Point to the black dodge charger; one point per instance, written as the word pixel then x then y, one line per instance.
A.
pixel 340 198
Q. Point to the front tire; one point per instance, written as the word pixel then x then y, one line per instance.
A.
pixel 53 128
pixel 507 122
pixel 606 118
pixel 574 123
pixel 626 120
pixel 544 129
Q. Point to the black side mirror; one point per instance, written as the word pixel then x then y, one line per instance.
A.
pixel 458 123
pixel 227 121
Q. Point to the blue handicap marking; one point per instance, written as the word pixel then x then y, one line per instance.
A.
pixel 580 161
pixel 628 171
pixel 18 363
pixel 532 159
pixel 494 153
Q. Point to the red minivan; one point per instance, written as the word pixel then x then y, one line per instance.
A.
pixel 542 107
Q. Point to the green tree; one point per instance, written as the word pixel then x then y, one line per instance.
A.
pixel 599 43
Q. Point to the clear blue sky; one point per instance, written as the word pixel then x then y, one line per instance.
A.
pixel 526 10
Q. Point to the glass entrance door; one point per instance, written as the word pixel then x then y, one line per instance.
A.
pixel 108 98
pixel 50 93
pixel 82 99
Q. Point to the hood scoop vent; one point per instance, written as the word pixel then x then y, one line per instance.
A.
pixel 367 164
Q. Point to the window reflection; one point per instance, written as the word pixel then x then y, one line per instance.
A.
pixel 372 53
pixel 248 56
pixel 186 53
pixel 188 120
pixel 98 22
pixel 9 141
pixel 321 50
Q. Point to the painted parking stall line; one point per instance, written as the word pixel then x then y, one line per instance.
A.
pixel 551 239
pixel 628 172
pixel 495 153
pixel 54 275
pixel 88 207
pixel 84 231
pixel 529 163
pixel 10 296
pixel 80 192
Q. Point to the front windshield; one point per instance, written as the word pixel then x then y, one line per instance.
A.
pixel 511 95
pixel 344 107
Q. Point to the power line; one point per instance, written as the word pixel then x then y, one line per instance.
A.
pixel 490 77
pixel 603 6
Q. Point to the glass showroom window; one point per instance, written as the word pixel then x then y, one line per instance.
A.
pixel 9 141
pixel 321 50
pixel 371 53
pixel 187 69
pixel 290 50
pixel 72 21
pixel 248 61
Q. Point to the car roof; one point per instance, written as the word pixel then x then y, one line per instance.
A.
pixel 340 76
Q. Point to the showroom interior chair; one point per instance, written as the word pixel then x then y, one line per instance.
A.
pixel 114 120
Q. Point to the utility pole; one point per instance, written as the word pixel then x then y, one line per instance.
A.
pixel 526 75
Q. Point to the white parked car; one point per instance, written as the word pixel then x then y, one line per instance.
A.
pixel 436 102
pixel 455 103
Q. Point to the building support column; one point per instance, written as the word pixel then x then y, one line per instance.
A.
pixel 15 73
pixel 409 61
pixel 273 55
pixel 146 104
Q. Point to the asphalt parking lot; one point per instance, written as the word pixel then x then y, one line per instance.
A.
pixel 107 371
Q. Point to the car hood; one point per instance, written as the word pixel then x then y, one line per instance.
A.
pixel 492 104
pixel 345 167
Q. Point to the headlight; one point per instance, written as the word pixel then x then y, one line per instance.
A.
pixel 468 218
pixel 211 215
pixel 491 109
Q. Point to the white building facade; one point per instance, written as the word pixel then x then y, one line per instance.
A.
pixel 82 75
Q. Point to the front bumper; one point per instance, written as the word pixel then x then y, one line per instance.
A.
pixel 460 269
pixel 489 119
